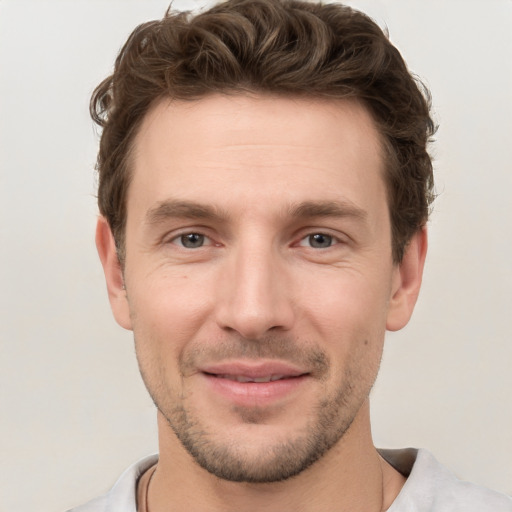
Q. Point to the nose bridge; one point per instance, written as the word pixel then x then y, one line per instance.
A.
pixel 255 296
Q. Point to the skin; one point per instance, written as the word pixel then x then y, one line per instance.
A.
pixel 258 233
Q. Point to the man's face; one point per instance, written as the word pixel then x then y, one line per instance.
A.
pixel 259 277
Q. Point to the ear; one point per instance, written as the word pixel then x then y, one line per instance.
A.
pixel 113 273
pixel 407 281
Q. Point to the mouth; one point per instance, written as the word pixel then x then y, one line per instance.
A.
pixel 250 384
pixel 244 378
pixel 254 371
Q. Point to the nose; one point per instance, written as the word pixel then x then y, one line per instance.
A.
pixel 255 295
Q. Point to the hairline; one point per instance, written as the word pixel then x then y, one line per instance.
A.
pixel 385 148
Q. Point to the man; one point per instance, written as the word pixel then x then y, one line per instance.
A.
pixel 264 190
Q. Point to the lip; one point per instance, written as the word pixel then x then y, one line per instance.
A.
pixel 256 369
pixel 220 379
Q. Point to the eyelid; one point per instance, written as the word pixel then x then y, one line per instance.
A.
pixel 337 237
pixel 177 240
pixel 304 241
pixel 175 236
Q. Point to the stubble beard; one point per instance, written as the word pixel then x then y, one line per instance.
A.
pixel 278 460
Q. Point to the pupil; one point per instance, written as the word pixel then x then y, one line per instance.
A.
pixel 192 240
pixel 320 241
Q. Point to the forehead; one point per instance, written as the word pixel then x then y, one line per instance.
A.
pixel 257 147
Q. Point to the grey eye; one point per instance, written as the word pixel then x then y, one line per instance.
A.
pixel 320 241
pixel 192 240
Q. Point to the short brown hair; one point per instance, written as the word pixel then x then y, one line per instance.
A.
pixel 269 46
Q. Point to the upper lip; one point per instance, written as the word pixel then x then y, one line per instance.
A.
pixel 254 370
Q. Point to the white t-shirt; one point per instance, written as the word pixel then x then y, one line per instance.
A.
pixel 429 488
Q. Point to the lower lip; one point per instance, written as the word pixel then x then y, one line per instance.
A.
pixel 254 393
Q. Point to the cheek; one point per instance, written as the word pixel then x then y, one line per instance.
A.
pixel 350 305
pixel 169 297
pixel 349 318
pixel 166 313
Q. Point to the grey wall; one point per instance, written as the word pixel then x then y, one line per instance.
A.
pixel 73 410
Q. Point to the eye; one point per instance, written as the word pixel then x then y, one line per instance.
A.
pixel 191 240
pixel 318 241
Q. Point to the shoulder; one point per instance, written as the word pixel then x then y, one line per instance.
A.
pixel 122 497
pixel 432 487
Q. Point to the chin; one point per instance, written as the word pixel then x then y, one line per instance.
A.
pixel 253 451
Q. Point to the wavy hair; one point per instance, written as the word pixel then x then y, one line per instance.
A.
pixel 281 47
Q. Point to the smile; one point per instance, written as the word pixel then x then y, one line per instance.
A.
pixel 250 384
pixel 243 378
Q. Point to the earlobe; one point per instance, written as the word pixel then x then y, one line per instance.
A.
pixel 107 252
pixel 407 282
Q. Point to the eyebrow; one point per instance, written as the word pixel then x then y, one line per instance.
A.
pixel 336 209
pixel 307 209
pixel 184 210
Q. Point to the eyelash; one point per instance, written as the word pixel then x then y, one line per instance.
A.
pixel 181 239
pixel 333 240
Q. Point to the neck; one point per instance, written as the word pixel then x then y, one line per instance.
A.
pixel 349 477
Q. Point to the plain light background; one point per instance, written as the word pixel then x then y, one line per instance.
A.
pixel 73 410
